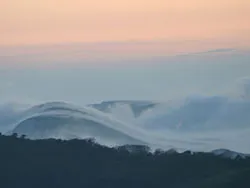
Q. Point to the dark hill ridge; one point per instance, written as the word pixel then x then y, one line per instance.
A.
pixel 137 107
pixel 83 163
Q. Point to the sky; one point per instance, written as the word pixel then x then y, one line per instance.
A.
pixel 84 52
pixel 89 51
pixel 30 22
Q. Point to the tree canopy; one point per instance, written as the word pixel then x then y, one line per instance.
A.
pixel 76 163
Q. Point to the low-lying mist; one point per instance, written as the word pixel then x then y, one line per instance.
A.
pixel 198 123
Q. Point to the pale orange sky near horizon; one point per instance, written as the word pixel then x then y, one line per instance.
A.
pixel 29 22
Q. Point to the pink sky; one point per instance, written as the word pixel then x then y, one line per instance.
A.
pixel 30 22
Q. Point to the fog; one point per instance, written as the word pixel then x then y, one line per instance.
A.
pixel 207 93
pixel 152 78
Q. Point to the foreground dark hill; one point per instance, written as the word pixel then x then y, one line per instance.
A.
pixel 82 163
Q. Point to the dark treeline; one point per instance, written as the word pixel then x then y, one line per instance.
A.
pixel 83 164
